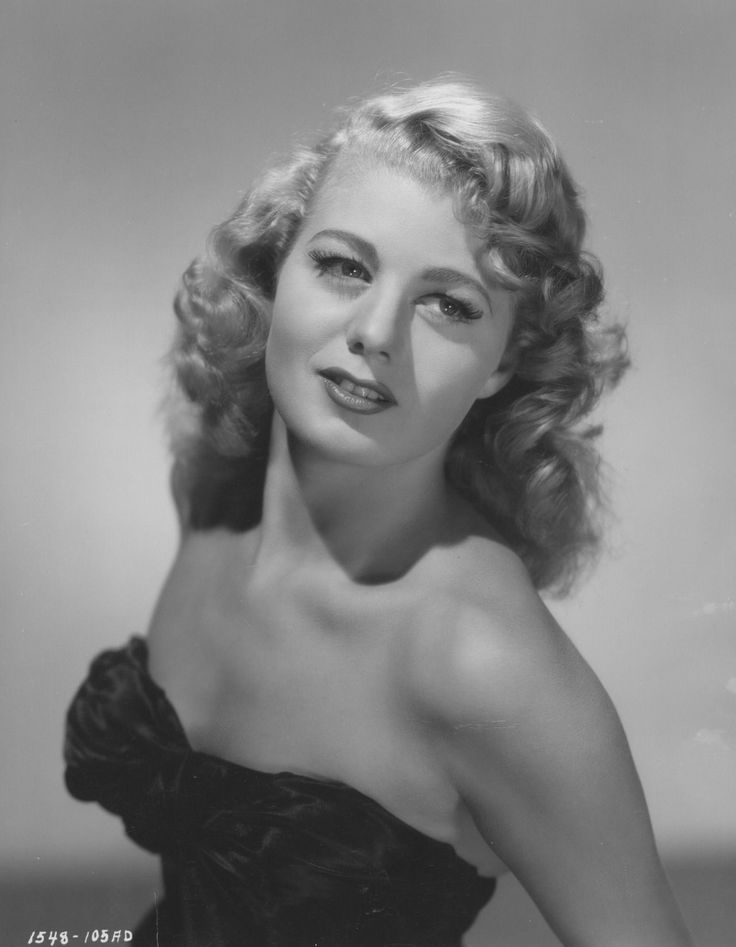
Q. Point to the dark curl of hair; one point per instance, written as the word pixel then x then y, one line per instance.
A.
pixel 522 457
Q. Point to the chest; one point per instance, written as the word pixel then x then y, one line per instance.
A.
pixel 291 682
pixel 300 678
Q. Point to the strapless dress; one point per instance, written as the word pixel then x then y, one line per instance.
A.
pixel 254 858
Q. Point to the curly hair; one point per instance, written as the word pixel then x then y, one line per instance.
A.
pixel 522 457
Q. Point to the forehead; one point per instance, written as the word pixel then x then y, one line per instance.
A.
pixel 393 210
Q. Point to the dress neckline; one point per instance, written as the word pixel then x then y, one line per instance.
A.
pixel 137 649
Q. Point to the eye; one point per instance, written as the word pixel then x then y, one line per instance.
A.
pixel 339 267
pixel 455 310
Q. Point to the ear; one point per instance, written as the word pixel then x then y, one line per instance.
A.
pixel 500 377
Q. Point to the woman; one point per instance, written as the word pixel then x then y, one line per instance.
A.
pixel 387 353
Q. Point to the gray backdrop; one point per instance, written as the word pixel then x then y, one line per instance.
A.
pixel 128 129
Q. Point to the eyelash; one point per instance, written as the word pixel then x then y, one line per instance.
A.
pixel 466 312
pixel 325 262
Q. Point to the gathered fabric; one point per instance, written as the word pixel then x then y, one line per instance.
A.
pixel 254 858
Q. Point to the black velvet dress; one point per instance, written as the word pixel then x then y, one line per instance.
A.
pixel 253 858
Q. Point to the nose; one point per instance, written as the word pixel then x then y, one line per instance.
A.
pixel 377 328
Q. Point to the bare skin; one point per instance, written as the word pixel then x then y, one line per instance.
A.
pixel 319 664
pixel 463 710
pixel 373 629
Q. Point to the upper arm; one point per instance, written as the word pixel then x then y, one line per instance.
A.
pixel 538 755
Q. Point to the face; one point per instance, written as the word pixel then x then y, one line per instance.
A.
pixel 386 326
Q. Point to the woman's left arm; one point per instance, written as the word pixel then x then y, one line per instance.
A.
pixel 538 755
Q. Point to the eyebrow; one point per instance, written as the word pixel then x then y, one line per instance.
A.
pixel 437 274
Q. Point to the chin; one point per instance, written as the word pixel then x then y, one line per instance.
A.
pixel 346 446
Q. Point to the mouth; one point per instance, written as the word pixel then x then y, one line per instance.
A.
pixel 356 394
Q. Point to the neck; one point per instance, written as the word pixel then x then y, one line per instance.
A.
pixel 372 523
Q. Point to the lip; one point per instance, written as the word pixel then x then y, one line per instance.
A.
pixel 356 394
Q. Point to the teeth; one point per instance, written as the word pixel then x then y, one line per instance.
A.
pixel 359 390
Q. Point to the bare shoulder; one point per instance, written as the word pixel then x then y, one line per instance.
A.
pixel 535 750
pixel 194 566
pixel 488 646
pixel 198 586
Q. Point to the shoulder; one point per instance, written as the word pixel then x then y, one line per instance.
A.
pixel 488 655
pixel 202 580
pixel 529 739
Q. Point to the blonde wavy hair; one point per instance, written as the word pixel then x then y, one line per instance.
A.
pixel 523 457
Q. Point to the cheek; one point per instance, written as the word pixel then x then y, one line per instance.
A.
pixel 450 376
pixel 282 344
pixel 284 357
pixel 286 336
pixel 299 320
